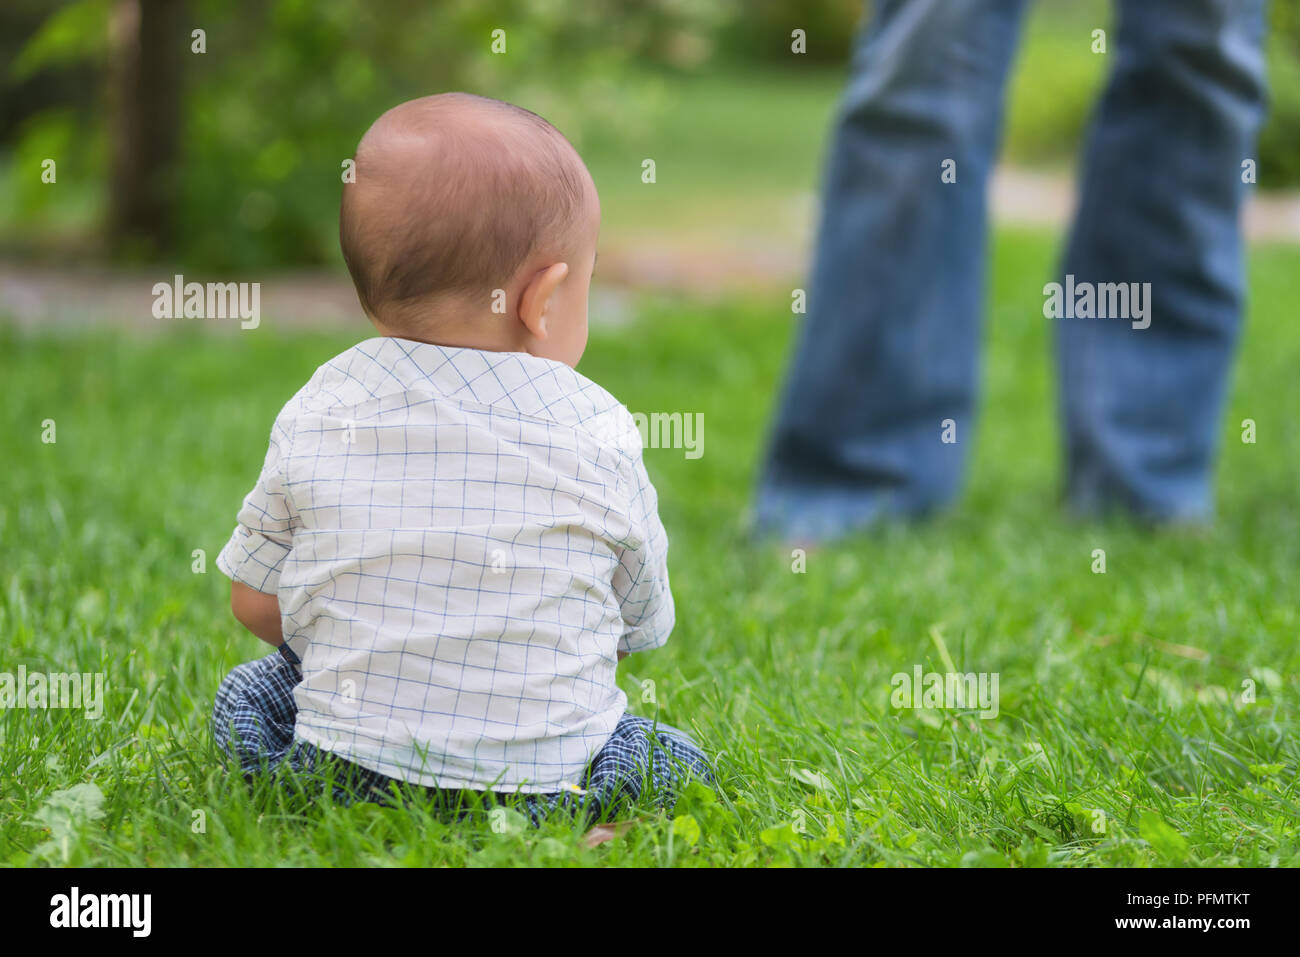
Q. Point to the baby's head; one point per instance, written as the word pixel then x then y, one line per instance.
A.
pixel 472 223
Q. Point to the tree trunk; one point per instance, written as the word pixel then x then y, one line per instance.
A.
pixel 147 39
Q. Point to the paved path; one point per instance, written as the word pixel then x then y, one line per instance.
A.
pixel 710 263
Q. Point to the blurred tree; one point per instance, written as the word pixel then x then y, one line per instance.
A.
pixel 231 158
pixel 763 31
pixel 31 92
pixel 235 152
pixel 1279 142
pixel 146 40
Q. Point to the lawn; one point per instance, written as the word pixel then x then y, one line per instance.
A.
pixel 1147 715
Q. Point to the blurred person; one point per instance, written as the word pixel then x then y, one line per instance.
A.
pixel 886 364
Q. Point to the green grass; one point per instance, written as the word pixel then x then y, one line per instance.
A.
pixel 1120 693
pixel 729 148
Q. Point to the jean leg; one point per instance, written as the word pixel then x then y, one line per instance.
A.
pixel 1160 201
pixel 889 348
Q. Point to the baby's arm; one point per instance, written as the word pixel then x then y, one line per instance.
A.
pixel 641 579
pixel 261 542
pixel 258 612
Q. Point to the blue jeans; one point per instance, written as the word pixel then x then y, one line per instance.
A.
pixel 889 349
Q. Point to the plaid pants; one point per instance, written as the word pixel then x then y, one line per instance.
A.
pixel 253 720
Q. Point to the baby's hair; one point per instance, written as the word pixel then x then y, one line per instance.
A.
pixel 452 194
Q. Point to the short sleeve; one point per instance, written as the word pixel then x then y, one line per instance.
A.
pixel 641 579
pixel 263 536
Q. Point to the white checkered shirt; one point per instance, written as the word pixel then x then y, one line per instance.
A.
pixel 460 541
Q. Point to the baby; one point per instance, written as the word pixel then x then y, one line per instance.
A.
pixel 451 543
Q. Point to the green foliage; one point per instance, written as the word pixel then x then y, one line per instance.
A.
pixel 762 32
pixel 1054 83
pixel 74 33
pixel 269 128
pixel 286 88
pixel 1279 141
pixel 710 89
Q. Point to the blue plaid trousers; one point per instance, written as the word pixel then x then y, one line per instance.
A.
pixel 253 721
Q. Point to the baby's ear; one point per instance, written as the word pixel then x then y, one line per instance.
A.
pixel 535 300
